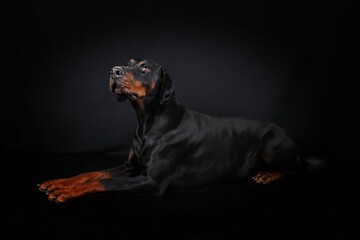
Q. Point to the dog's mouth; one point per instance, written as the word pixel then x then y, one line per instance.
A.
pixel 117 87
pixel 120 95
pixel 118 91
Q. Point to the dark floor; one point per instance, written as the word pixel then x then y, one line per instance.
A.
pixel 324 207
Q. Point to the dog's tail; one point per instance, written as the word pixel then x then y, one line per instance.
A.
pixel 312 167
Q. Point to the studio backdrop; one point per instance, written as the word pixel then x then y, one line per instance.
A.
pixel 288 62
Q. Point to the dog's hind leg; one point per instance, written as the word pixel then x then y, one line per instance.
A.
pixel 280 155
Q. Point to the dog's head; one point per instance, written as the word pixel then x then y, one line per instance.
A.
pixel 141 79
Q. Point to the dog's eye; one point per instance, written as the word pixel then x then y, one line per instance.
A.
pixel 144 69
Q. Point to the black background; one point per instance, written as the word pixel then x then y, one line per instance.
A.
pixel 294 63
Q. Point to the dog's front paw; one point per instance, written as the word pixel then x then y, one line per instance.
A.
pixel 51 185
pixel 61 195
pixel 58 190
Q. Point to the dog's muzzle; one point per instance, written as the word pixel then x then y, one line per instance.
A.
pixel 115 76
pixel 115 73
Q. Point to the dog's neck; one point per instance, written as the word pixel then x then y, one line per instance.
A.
pixel 142 110
pixel 146 112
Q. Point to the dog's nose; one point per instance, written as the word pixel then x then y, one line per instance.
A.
pixel 117 72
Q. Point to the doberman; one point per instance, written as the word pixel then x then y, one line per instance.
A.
pixel 178 148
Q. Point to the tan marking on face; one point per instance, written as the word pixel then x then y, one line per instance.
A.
pixel 131 86
pixel 139 89
pixel 140 105
pixel 152 85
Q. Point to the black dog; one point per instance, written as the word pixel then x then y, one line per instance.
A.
pixel 175 147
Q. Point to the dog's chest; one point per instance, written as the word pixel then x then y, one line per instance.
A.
pixel 143 148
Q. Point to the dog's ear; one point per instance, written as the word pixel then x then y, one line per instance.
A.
pixel 167 89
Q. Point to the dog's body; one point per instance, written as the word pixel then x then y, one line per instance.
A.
pixel 175 147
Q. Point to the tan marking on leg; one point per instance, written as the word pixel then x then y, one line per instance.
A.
pixel 131 154
pixel 267 176
pixel 64 194
pixel 52 185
